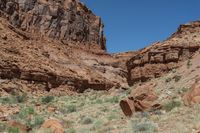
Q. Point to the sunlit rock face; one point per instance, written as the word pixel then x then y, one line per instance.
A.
pixel 65 20
pixel 161 57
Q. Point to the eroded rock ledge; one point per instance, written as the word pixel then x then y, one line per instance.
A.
pixel 161 57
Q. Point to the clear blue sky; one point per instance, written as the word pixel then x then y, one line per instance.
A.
pixel 134 24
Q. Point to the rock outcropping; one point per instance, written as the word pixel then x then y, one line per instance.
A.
pixel 55 46
pixel 65 20
pixel 161 57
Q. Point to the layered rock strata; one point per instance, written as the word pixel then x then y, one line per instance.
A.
pixel 65 20
pixel 161 57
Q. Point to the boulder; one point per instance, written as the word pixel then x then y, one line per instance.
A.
pixel 141 99
pixel 22 128
pixel 55 125
pixel 193 96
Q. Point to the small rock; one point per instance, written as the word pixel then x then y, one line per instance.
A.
pixel 3 118
pixel 55 125
pixel 4 36
pixel 51 109
pixel 21 127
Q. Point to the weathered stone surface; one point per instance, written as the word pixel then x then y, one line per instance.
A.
pixel 65 20
pixel 159 58
pixel 47 65
pixel 193 96
pixel 141 99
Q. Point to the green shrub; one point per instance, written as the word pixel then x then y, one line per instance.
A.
pixel 174 70
pixel 171 105
pixel 2 127
pixel 144 127
pixel 168 80
pixel 177 78
pixel 189 64
pixel 87 120
pixel 104 109
pixel 25 112
pixel 13 99
pixel 13 130
pixel 21 98
pixel 68 109
pixel 183 90
pixel 37 121
pixel 99 101
pixel 71 108
pixel 97 124
pixel 112 116
pixel 47 99
pixel 71 130
pixel 6 100
pixel 114 99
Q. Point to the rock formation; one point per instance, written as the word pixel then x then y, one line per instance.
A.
pixel 161 57
pixel 60 45
pixel 65 20
pixel 141 99
pixel 55 46
pixel 193 96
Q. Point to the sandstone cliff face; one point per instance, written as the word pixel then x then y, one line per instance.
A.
pixel 65 20
pixel 49 65
pixel 161 57
pixel 60 45
pixel 55 46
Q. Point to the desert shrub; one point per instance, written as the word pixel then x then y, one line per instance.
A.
pixel 174 70
pixel 112 116
pixel 189 64
pixel 37 121
pixel 68 123
pixel 70 130
pixel 97 124
pixel 13 130
pixel 183 90
pixel 13 99
pixel 71 108
pixel 25 112
pixel 144 127
pixel 114 99
pixel 167 80
pixel 21 98
pixel 87 120
pixel 104 109
pixel 7 100
pixel 47 99
pixel 128 91
pixel 2 127
pixel 177 78
pixel 171 105
pixel 68 109
pixel 99 101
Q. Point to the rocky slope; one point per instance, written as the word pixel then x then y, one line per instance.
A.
pixel 60 45
pixel 50 48
pixel 55 46
pixel 161 57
